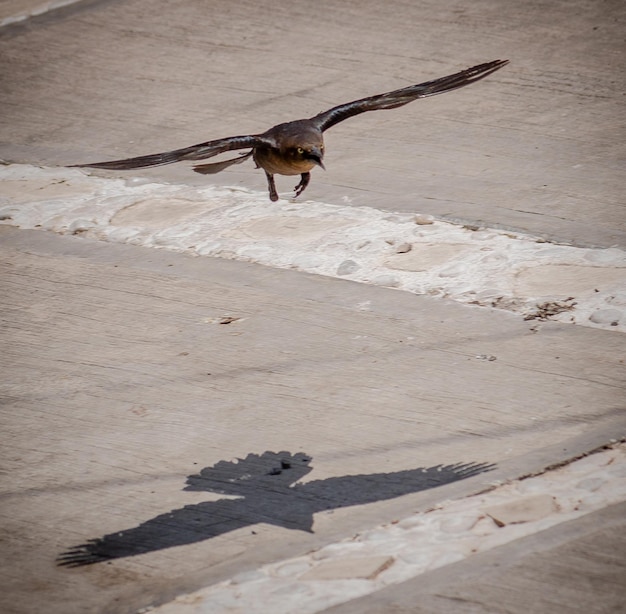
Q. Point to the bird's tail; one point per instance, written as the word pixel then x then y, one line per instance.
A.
pixel 216 167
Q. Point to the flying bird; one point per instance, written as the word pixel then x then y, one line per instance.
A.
pixel 296 147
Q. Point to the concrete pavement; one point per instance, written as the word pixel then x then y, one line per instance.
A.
pixel 538 147
pixel 576 567
pixel 135 378
pixel 130 370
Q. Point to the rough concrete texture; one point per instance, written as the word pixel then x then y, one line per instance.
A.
pixel 574 568
pixel 382 559
pixel 122 381
pixel 538 147
pixel 479 266
pixel 193 418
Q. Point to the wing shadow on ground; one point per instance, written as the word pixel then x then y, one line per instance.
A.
pixel 268 492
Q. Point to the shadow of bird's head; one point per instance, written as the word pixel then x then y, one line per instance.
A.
pixel 270 470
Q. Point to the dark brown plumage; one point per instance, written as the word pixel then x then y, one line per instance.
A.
pixel 296 147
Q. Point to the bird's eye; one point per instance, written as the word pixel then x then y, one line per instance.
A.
pixel 300 150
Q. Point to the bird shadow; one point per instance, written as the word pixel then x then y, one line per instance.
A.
pixel 267 490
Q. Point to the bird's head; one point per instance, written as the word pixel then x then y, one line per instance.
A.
pixel 300 142
pixel 306 151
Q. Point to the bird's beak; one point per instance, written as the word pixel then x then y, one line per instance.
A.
pixel 316 156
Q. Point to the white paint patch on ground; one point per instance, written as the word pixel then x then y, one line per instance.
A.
pixel 396 552
pixel 415 253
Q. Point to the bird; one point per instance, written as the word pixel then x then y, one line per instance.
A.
pixel 297 147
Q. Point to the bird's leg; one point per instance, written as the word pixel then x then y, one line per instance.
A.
pixel 272 187
pixel 304 182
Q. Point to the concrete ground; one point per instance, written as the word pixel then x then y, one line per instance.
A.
pixel 581 561
pixel 134 378
pixel 538 147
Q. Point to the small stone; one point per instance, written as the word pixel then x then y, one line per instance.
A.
pixel 347 267
pixel 228 319
pixel 208 248
pixel 78 226
pixel 525 509
pixel 423 220
pixel 350 568
pixel 606 316
pixel 403 248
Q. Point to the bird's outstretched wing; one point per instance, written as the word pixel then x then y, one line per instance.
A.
pixel 397 98
pixel 200 151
